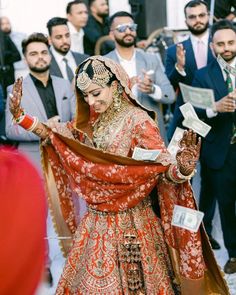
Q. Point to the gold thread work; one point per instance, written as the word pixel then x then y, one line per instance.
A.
pixel 101 75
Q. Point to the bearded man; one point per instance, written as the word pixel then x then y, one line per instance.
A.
pixel 44 95
pixel 64 60
pixel 182 61
pixel 97 27
pixel 218 155
pixel 150 84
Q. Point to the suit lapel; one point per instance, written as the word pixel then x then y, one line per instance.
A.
pixel 54 68
pixel 34 96
pixel 217 79
pixel 114 56
pixel 140 63
pixel 210 55
pixel 58 94
pixel 190 58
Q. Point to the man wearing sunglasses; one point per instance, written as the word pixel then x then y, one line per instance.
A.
pixel 182 61
pixel 151 86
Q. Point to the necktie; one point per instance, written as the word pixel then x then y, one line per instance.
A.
pixel 230 87
pixel 229 82
pixel 69 72
pixel 200 55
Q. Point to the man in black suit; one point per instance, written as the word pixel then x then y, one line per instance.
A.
pixel 8 55
pixel 64 61
pixel 218 153
pixel 97 26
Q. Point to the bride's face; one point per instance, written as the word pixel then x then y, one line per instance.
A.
pixel 98 97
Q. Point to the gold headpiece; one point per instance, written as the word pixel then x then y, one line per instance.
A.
pixel 101 75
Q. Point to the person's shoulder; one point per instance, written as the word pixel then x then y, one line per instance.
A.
pixel 91 21
pixel 146 55
pixel 60 80
pixel 110 54
pixel 138 114
pixel 172 48
pixel 81 56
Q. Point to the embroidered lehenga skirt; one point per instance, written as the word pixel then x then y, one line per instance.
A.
pixel 119 253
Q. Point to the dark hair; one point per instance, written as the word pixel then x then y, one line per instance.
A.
pixel 195 3
pixel 70 4
pixel 90 2
pixel 55 21
pixel 119 14
pixel 222 25
pixel 35 37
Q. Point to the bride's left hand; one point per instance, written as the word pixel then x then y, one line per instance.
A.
pixel 189 152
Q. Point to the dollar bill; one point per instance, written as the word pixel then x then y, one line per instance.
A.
pixel 145 155
pixel 226 66
pixel 187 110
pixel 197 125
pixel 187 218
pixel 199 97
pixel 173 146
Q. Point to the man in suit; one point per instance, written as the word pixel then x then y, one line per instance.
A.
pixel 77 15
pixel 97 26
pixel 151 85
pixel 218 154
pixel 64 61
pixel 183 59
pixel 45 97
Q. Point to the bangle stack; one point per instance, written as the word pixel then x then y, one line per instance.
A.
pixel 26 121
pixel 175 175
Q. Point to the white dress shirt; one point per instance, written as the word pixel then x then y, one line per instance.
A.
pixel 77 38
pixel 194 41
pixel 131 70
pixel 59 59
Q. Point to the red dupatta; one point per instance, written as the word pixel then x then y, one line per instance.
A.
pixel 113 183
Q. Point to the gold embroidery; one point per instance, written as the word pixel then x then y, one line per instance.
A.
pixel 101 75
pixel 101 127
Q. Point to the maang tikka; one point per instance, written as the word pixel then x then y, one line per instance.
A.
pixel 101 75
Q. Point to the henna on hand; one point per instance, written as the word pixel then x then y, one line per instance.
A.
pixel 15 98
pixel 189 152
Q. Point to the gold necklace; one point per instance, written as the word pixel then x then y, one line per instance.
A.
pixel 106 120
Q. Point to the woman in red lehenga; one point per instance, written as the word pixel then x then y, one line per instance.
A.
pixel 120 246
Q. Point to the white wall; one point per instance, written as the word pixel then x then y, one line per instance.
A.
pixel 117 5
pixel 32 15
pixel 175 13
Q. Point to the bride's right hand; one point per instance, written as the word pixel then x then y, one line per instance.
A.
pixel 15 98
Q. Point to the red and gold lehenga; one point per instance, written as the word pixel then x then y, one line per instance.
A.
pixel 120 246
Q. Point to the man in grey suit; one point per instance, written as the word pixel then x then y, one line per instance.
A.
pixel 151 86
pixel 45 97
pixel 64 61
